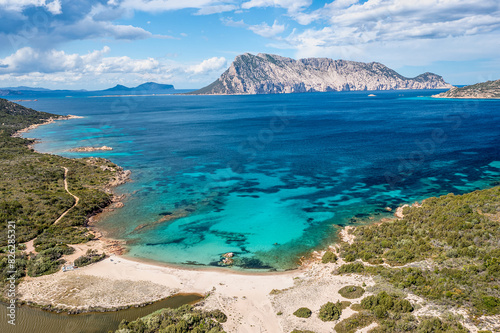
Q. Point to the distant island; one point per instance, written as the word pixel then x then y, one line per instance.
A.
pixel 142 89
pixel 274 74
pixel 488 89
pixel 148 86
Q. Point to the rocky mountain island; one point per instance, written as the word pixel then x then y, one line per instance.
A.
pixel 274 74
pixel 488 89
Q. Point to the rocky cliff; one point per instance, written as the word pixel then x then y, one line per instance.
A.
pixel 489 89
pixel 273 74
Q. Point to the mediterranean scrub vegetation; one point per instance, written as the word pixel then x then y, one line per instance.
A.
pixel 89 258
pixel 452 241
pixel 32 195
pixel 393 314
pixel 303 313
pixel 180 320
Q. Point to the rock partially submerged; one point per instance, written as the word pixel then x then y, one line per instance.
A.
pixel 89 149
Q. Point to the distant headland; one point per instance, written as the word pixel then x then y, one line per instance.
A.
pixel 483 90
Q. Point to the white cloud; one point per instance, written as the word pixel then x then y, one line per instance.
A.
pixel 354 25
pixel 205 7
pixel 28 66
pixel 216 9
pixel 53 6
pixel 262 29
pixel 267 31
pixel 208 65
pixel 293 6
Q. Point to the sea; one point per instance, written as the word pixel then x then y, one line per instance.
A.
pixel 271 178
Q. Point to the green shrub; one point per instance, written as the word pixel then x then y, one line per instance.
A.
pixel 356 267
pixel 89 258
pixel 330 311
pixel 351 292
pixel 303 313
pixel 329 257
pixel 354 322
pixel 383 303
pixel 434 324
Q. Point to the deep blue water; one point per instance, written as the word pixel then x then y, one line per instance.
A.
pixel 271 177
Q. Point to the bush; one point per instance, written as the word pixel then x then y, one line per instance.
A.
pixel 328 257
pixel 431 325
pixel 89 258
pixel 330 311
pixel 354 322
pixel 356 267
pixel 351 292
pixel 303 313
pixel 218 315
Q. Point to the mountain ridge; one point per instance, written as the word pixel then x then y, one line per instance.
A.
pixel 273 74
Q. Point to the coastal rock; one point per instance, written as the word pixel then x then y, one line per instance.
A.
pixel 273 74
pixel 399 211
pixel 228 255
pixel 89 149
pixel 489 89
pixel 227 261
pixel 118 204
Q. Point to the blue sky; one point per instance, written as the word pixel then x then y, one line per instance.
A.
pixel 96 44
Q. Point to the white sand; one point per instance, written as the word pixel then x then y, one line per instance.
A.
pixel 245 298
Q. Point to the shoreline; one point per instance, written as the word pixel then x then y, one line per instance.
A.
pixel 249 299
pixel 51 120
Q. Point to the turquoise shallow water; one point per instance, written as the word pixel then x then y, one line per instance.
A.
pixel 272 177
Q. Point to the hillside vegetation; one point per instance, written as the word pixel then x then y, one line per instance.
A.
pixel 488 89
pixel 446 251
pixel 180 320
pixel 32 195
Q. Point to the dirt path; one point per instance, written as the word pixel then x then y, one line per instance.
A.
pixel 74 196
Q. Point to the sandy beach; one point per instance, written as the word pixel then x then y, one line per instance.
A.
pixel 247 299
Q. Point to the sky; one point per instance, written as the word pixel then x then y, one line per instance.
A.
pixel 95 44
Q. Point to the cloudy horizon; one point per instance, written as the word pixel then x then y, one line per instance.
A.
pixel 100 43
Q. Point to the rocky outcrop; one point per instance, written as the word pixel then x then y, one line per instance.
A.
pixel 273 74
pixel 89 149
pixel 489 89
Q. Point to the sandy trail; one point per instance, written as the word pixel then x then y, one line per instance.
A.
pixel 77 199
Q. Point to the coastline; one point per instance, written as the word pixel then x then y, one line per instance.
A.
pixel 51 120
pixel 250 299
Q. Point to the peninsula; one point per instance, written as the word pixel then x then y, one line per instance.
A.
pixel 483 90
pixel 274 74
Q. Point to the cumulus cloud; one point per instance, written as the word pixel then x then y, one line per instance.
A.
pixel 293 6
pixel 354 24
pixel 53 6
pixel 32 67
pixel 263 29
pixel 208 66
pixel 205 7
